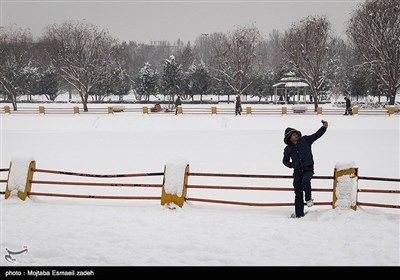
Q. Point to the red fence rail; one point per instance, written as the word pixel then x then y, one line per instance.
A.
pixel 95 184
pixel 195 186
pixel 249 188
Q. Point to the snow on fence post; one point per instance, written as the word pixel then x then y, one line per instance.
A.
pixel 248 110
pixel 19 177
pixel 174 183
pixel 345 186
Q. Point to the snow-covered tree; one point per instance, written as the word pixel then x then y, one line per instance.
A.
pixel 47 84
pixel 83 55
pixel 306 50
pixel 171 79
pixel 185 57
pixel 262 86
pixel 199 80
pixel 374 31
pixel 211 49
pixel 335 69
pixel 146 84
pixel 115 82
pixel 236 69
pixel 16 70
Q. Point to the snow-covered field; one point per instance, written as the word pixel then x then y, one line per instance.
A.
pixel 74 232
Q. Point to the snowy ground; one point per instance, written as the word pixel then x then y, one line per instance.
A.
pixel 61 231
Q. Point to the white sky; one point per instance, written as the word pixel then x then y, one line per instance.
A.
pixel 76 232
pixel 143 21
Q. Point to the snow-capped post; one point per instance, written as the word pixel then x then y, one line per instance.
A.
pixel 19 177
pixel 284 110
pixel 319 110
pixel 7 109
pixel 248 110
pixel 174 182
pixel 145 109
pixel 345 186
pixel 76 110
pixel 213 110
pixel 180 110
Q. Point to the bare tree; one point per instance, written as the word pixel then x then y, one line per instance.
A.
pixel 306 49
pixel 238 61
pixel 83 55
pixel 374 31
pixel 212 49
pixel 15 62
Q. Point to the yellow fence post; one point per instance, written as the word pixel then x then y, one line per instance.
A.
pixel 284 110
pixel 180 110
pixel 7 109
pixel 391 110
pixel 248 110
pixel 213 110
pixel 355 110
pixel 28 184
pixel 351 174
pixel 145 109
pixel 110 110
pixel 177 200
pixel 41 110
pixel 319 110
pixel 8 192
pixel 76 110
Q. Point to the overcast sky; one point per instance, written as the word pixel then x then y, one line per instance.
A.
pixel 145 21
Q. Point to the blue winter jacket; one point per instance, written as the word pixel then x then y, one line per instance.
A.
pixel 301 155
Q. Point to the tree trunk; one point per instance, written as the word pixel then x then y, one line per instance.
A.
pixel 14 102
pixel 392 96
pixel 84 97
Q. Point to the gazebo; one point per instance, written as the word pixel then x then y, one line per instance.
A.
pixel 290 83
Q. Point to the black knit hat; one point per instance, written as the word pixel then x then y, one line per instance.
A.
pixel 288 132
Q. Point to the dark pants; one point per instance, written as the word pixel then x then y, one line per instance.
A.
pixel 302 182
pixel 348 111
pixel 238 111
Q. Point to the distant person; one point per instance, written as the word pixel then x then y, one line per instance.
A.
pixel 238 105
pixel 348 110
pixel 156 108
pixel 178 102
pixel 298 155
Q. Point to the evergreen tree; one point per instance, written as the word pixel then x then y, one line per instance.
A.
pixel 47 84
pixel 147 81
pixel 199 80
pixel 171 79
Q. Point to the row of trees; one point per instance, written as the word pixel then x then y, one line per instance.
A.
pixel 77 56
